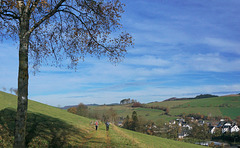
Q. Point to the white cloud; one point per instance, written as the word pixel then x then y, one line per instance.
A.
pixel 147 60
pixel 223 45
pixel 213 63
pixel 102 74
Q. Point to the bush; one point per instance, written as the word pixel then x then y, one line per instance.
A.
pixel 72 110
pixel 136 104
pixel 38 142
pixel 5 139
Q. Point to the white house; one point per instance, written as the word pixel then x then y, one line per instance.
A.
pixel 181 122
pixel 226 127
pixel 187 126
pixel 212 129
pixel 234 128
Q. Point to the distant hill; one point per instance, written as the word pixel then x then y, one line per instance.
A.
pixel 67 107
pixel 214 106
pixel 202 96
pixel 49 126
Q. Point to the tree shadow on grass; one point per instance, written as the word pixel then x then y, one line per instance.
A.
pixel 43 130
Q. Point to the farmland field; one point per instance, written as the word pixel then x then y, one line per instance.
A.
pixel 216 106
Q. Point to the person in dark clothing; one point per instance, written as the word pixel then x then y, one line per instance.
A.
pixel 107 125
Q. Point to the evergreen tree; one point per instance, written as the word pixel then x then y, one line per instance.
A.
pixel 134 121
pixel 126 122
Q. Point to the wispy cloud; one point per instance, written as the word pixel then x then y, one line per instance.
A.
pixel 223 45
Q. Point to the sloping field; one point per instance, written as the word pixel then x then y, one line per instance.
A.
pixel 217 106
pixel 124 110
pixel 52 127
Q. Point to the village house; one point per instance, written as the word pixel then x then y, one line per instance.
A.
pixel 181 122
pixel 212 129
pixel 221 123
pixel 234 128
pixel 201 122
pixel 225 127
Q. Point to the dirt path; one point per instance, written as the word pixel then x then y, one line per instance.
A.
pixel 102 138
pixel 108 140
pixel 99 138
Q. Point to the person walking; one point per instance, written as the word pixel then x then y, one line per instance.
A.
pixel 107 125
pixel 96 125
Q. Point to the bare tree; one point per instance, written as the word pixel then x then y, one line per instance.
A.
pixel 4 88
pixel 13 90
pixel 56 30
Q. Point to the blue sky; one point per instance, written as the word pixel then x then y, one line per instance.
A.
pixel 183 48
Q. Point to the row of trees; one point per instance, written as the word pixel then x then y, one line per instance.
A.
pixel 165 109
pixel 131 123
pixel 127 101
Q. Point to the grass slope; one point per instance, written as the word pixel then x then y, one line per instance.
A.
pixel 52 127
pixel 217 106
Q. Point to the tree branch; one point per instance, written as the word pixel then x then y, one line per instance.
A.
pixel 5 10
pixel 92 9
pixel 91 35
pixel 73 9
pixel 7 14
pixel 45 17
pixel 28 6
pixel 34 6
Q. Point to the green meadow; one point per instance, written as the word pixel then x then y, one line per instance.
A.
pixel 217 106
pixel 49 126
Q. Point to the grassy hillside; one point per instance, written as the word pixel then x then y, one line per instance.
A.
pixel 217 106
pixel 52 127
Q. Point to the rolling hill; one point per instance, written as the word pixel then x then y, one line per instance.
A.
pixel 48 126
pixel 214 106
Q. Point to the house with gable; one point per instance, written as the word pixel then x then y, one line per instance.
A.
pixel 212 129
pixel 221 123
pixel 234 128
pixel 226 127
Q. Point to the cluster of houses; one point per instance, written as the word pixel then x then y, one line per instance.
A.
pixel 223 125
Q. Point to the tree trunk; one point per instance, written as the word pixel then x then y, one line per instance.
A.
pixel 21 117
pixel 22 95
